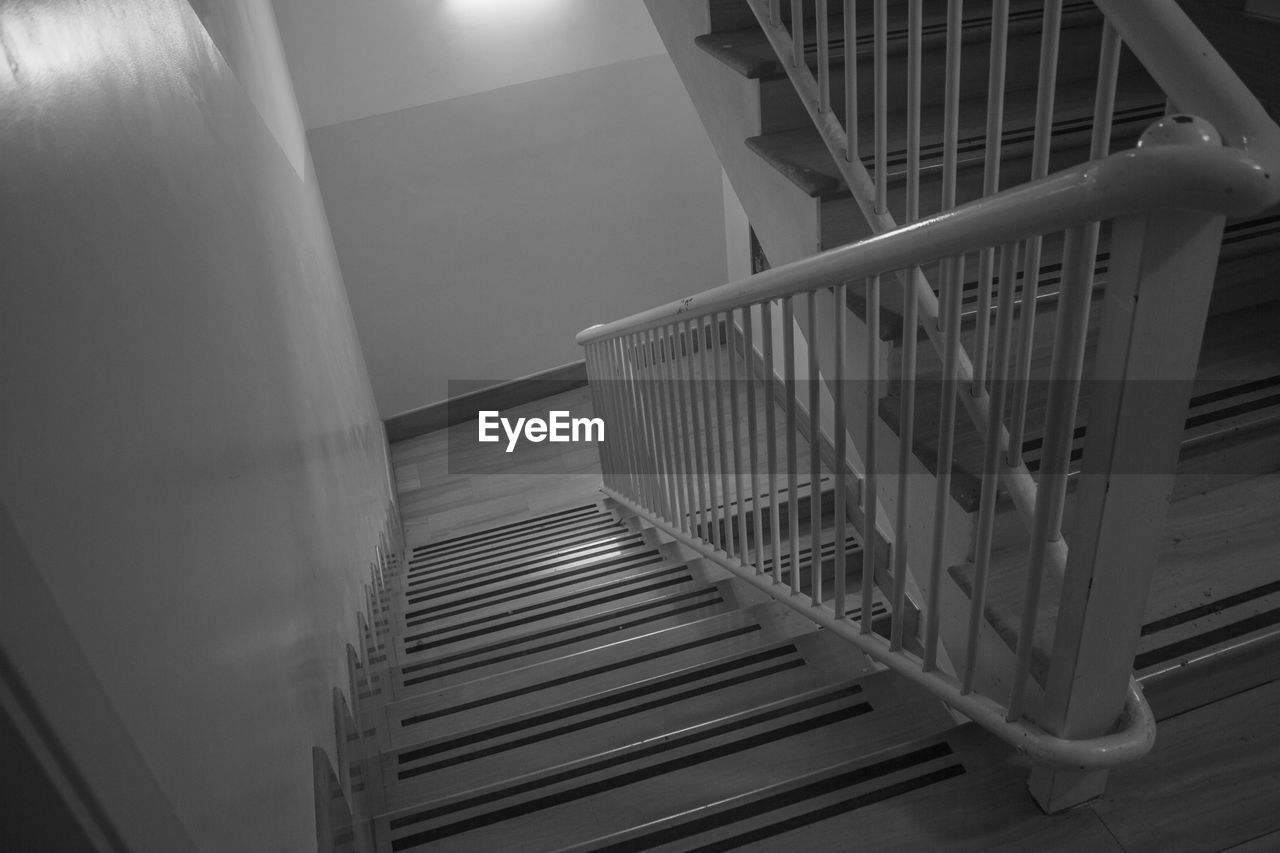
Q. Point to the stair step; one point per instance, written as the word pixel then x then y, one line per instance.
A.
pixel 465 705
pixel 491 654
pixel 648 781
pixel 433 642
pixel 1214 584
pixel 633 570
pixel 527 527
pixel 611 719
pixel 615 557
pixel 768 815
pixel 511 546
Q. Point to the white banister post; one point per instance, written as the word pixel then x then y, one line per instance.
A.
pixel 1157 297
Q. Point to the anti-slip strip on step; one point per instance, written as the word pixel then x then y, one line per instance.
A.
pixel 1221 634
pixel 777 801
pixel 610 631
pixel 478 557
pixel 534 580
pixel 548 519
pixel 711 594
pixel 1209 609
pixel 425 716
pixel 764 717
pixel 420 646
pixel 415 622
pixel 481 573
pixel 769 662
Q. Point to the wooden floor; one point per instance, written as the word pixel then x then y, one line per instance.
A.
pixel 442 494
pixel 1212 783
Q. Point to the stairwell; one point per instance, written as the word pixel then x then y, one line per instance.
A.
pixel 579 679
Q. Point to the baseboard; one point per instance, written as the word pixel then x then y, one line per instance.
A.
pixel 505 395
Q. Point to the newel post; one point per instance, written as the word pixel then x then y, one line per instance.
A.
pixel 1157 297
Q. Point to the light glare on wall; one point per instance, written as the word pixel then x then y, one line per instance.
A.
pixel 498 10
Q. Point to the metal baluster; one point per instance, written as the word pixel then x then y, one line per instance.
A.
pixel 797 33
pixel 679 357
pixel 824 58
pixel 753 436
pixel 840 294
pixel 991 460
pixel 722 443
pixel 951 106
pixel 770 396
pixel 953 274
pixel 717 531
pixel 735 413
pixel 671 435
pixel 789 381
pixel 815 457
pixel 915 51
pixel 626 356
pixel 850 81
pixel 1031 261
pixel 990 183
pixel 881 82
pixel 870 489
pixel 691 389
pixel 661 494
pixel 906 440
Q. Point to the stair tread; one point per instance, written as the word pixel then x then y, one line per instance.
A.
pixel 748 52
pixel 532 742
pixel 462 706
pixel 653 780
pixel 802 156
pixel 1216 564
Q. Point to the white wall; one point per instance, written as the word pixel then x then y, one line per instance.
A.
pixel 497 183
pixel 355 60
pixel 189 449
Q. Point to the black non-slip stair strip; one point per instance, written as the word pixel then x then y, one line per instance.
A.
pixel 652 695
pixel 613 629
pixel 774 715
pixel 718 821
pixel 1032 446
pixel 658 654
pixel 481 573
pixel 527 576
pixel 522 585
pixel 615 584
pixel 515 546
pixel 708 594
pixel 1212 637
pixel 482 627
pixel 524 525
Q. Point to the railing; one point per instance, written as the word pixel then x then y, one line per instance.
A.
pixel 675 382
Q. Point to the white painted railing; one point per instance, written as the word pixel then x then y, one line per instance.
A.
pixel 681 452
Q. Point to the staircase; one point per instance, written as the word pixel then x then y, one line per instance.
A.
pixel 865 485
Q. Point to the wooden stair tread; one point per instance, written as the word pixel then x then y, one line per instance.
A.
pixel 461 706
pixel 801 155
pixel 574 730
pixel 1216 564
pixel 748 52
pixel 672 774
